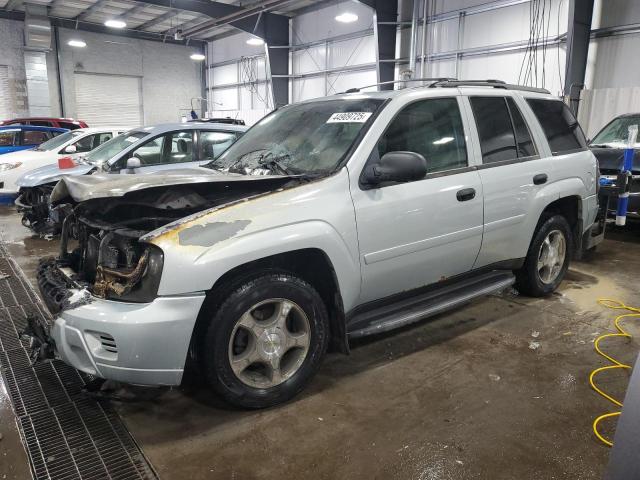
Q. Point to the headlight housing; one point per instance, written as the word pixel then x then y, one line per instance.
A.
pixel 145 290
pixel 9 166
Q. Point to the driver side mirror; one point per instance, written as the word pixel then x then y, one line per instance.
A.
pixel 70 149
pixel 397 167
pixel 133 163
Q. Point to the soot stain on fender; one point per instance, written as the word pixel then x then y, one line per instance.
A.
pixel 211 233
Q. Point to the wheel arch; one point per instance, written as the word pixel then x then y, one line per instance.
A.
pixel 570 207
pixel 312 265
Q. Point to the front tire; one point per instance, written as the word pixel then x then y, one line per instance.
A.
pixel 548 258
pixel 266 340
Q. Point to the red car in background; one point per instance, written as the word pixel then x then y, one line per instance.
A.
pixel 69 123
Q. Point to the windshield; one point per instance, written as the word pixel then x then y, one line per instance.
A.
pixel 58 141
pixel 110 149
pixel 308 138
pixel 616 132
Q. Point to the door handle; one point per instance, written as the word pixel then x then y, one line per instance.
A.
pixel 466 194
pixel 540 178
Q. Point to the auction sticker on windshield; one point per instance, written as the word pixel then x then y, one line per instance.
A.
pixel 349 117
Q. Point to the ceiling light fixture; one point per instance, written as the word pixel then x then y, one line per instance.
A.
pixel 256 41
pixel 77 43
pixel 115 23
pixel 346 17
pixel 198 57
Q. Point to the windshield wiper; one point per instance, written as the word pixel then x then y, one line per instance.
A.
pixel 600 145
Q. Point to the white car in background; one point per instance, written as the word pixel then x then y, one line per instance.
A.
pixel 13 165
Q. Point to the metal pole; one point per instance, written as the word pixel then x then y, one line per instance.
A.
pixel 414 38
pixel 423 45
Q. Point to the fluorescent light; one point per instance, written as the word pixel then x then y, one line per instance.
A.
pixel 198 57
pixel 77 43
pixel 443 140
pixel 346 17
pixel 257 41
pixel 115 23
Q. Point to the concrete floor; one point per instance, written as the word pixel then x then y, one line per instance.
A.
pixel 496 390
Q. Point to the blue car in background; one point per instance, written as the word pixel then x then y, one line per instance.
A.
pixel 23 137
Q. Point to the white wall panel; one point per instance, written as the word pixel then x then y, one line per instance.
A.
pixel 441 69
pixel 260 96
pixel 443 36
pixel 225 74
pixel 338 83
pixel 225 98
pixel 231 48
pixel 355 51
pixel 310 59
pixel 506 66
pixel 613 62
pixel 245 99
pixel 598 107
pixel 321 24
pixel 306 88
pixel 511 24
pixel 610 13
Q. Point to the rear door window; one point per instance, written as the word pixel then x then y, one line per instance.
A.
pixel 559 125
pixel 497 138
pixel 213 144
pixel 526 147
pixel 7 139
pixel 34 137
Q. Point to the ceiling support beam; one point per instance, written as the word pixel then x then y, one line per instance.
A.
pixel 217 10
pixel 578 36
pixel 85 14
pixel 132 11
pixel 384 29
pixel 159 19
pixel 276 34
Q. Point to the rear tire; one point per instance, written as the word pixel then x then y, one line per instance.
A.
pixel 265 341
pixel 548 258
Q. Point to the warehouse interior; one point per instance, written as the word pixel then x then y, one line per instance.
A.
pixel 467 382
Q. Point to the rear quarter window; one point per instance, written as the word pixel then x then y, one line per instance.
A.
pixel 559 125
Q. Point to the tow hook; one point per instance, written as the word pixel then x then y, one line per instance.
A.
pixel 41 345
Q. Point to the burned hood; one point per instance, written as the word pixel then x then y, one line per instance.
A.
pixel 105 185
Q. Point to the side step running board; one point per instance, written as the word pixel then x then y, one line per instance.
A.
pixel 413 309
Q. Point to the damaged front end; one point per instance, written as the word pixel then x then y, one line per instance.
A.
pixel 101 255
pixel 103 260
pixel 37 213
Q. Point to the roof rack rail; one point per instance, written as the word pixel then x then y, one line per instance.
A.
pixel 486 83
pixel 391 82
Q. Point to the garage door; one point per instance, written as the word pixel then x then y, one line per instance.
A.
pixel 5 107
pixel 105 100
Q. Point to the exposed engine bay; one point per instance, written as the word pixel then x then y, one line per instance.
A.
pixel 100 250
pixel 37 214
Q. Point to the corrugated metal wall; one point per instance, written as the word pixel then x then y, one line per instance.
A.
pixel 467 39
pixel 612 83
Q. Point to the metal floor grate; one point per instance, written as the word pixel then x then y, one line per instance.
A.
pixel 67 435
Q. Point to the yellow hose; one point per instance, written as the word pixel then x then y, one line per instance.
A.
pixel 615 305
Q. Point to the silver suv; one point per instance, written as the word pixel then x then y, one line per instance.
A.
pixel 328 220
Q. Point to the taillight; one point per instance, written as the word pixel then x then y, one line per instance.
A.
pixel 66 162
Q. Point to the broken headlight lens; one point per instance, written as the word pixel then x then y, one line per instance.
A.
pixel 146 289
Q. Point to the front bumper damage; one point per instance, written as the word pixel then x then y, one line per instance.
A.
pixel 138 343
